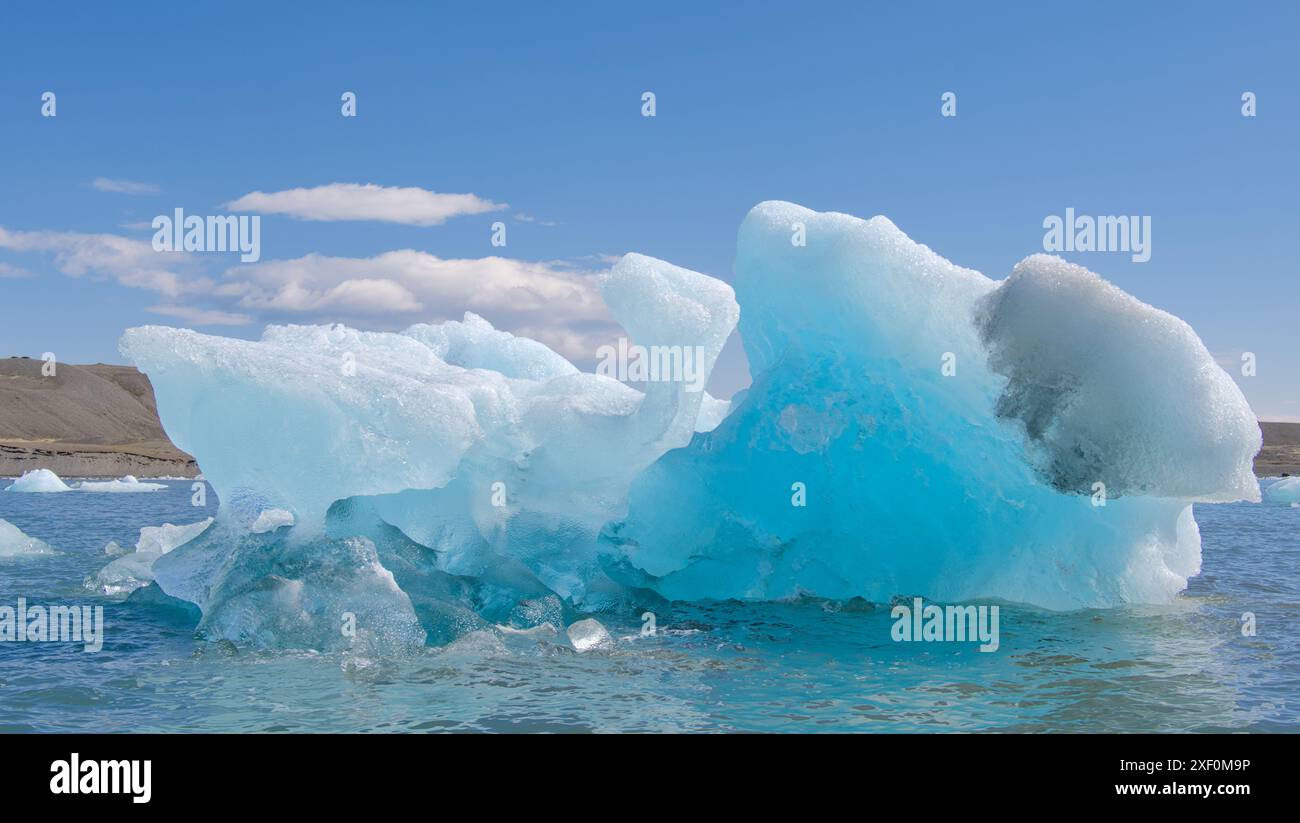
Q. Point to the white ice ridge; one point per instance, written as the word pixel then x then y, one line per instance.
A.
pixel 948 433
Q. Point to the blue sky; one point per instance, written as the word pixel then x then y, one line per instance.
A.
pixel 1110 109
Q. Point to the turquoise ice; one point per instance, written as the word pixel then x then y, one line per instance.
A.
pixel 913 428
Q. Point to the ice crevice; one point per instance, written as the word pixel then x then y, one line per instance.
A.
pixel 948 433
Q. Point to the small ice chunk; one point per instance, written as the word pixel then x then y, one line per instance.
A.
pixel 270 520
pixel 132 570
pixel 40 481
pixel 13 543
pixel 589 634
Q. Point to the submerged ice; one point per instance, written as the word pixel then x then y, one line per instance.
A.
pixel 913 428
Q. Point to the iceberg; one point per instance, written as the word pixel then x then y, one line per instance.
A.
pixel 915 427
pixel 38 481
pixel 1283 492
pixel 13 543
pixel 132 570
pixel 912 428
pixel 124 484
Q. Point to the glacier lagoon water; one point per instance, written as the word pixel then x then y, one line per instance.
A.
pixel 795 665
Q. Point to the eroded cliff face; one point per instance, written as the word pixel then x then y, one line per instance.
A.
pixel 82 421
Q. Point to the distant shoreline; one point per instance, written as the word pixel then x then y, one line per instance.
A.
pixel 92 462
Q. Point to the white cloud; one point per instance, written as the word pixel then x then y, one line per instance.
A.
pixel 554 302
pixel 354 201
pixel 124 186
pixel 130 262
pixel 7 270
pixel 560 307
pixel 203 317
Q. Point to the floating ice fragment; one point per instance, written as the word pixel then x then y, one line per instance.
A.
pixel 1284 491
pixel 125 484
pixel 13 543
pixel 589 634
pixel 38 481
pixel 131 570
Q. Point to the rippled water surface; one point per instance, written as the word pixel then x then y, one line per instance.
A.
pixel 797 666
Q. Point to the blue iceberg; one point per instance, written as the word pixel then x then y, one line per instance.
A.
pixel 913 428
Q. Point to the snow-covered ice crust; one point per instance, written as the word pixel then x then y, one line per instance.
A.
pixel 454 477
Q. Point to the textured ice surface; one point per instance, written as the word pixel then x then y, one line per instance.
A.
pixel 270 520
pixel 131 570
pixel 13 543
pixel 40 481
pixel 913 428
pixel 587 635
pixel 1284 492
pixel 125 484
pixel 978 484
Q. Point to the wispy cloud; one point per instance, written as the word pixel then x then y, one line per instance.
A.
pixel 130 262
pixel 560 307
pixel 354 201
pixel 124 186
pixel 556 302
pixel 203 317
pixel 8 270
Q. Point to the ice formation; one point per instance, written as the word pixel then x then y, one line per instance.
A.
pixel 125 484
pixel 589 635
pixel 46 481
pixel 131 570
pixel 13 543
pixel 913 428
pixel 270 520
pixel 39 481
pixel 1283 492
